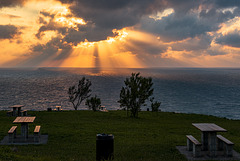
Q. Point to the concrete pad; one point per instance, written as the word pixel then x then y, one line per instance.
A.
pixel 204 156
pixel 19 140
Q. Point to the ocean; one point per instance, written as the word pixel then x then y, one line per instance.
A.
pixel 210 91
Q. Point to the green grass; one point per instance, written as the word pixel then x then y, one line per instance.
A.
pixel 72 135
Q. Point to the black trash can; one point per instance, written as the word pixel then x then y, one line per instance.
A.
pixel 104 147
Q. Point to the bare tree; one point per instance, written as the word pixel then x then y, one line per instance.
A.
pixel 80 92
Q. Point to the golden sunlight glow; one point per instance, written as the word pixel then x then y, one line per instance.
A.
pixel 128 47
pixel 48 35
pixel 230 26
pixel 64 17
pixel 121 35
pixel 59 10
pixel 70 22
pixel 105 53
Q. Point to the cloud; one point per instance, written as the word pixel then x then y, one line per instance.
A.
pixel 11 3
pixel 174 28
pixel 202 42
pixel 8 31
pixel 224 3
pixel 194 27
pixel 231 39
pixel 51 47
pixel 215 52
pixel 105 15
pixel 141 47
pixel 190 18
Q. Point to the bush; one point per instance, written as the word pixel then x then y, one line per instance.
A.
pixel 93 103
pixel 155 106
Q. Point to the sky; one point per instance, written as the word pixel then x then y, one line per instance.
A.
pixel 119 33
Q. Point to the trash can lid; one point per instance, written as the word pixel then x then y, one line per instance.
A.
pixel 105 136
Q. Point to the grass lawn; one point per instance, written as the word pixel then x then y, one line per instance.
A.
pixel 72 135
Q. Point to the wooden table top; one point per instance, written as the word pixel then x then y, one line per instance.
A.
pixel 209 127
pixel 24 120
pixel 16 106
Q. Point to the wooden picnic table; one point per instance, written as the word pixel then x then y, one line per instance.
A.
pixel 209 136
pixel 16 109
pixel 58 108
pixel 24 121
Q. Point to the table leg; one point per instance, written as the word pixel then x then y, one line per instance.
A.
pixel 14 111
pixel 19 111
pixel 24 130
pixel 204 138
pixel 212 138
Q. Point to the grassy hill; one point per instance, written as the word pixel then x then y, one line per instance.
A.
pixel 72 135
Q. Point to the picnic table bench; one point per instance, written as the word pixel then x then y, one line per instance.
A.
pixel 12 133
pixel 193 145
pixel 9 113
pixel 37 133
pixel 24 113
pixel 225 144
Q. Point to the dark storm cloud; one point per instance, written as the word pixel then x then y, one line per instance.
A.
pixel 112 13
pixel 180 7
pixel 11 3
pixel 224 3
pixel 116 14
pixel 105 15
pixel 174 28
pixel 215 16
pixel 193 44
pixel 51 26
pixel 188 5
pixel 54 50
pixel 214 52
pixel 232 39
pixel 185 22
pixel 51 47
pixel 100 4
pixel 8 31
pixel 191 22
pixel 140 47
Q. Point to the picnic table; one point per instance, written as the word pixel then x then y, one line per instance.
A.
pixel 209 136
pixel 58 108
pixel 24 121
pixel 16 109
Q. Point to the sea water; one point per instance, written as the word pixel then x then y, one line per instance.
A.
pixel 183 90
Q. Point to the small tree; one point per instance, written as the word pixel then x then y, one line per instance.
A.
pixel 155 106
pixel 93 103
pixel 80 92
pixel 137 90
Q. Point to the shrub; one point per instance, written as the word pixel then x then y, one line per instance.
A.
pixel 93 103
